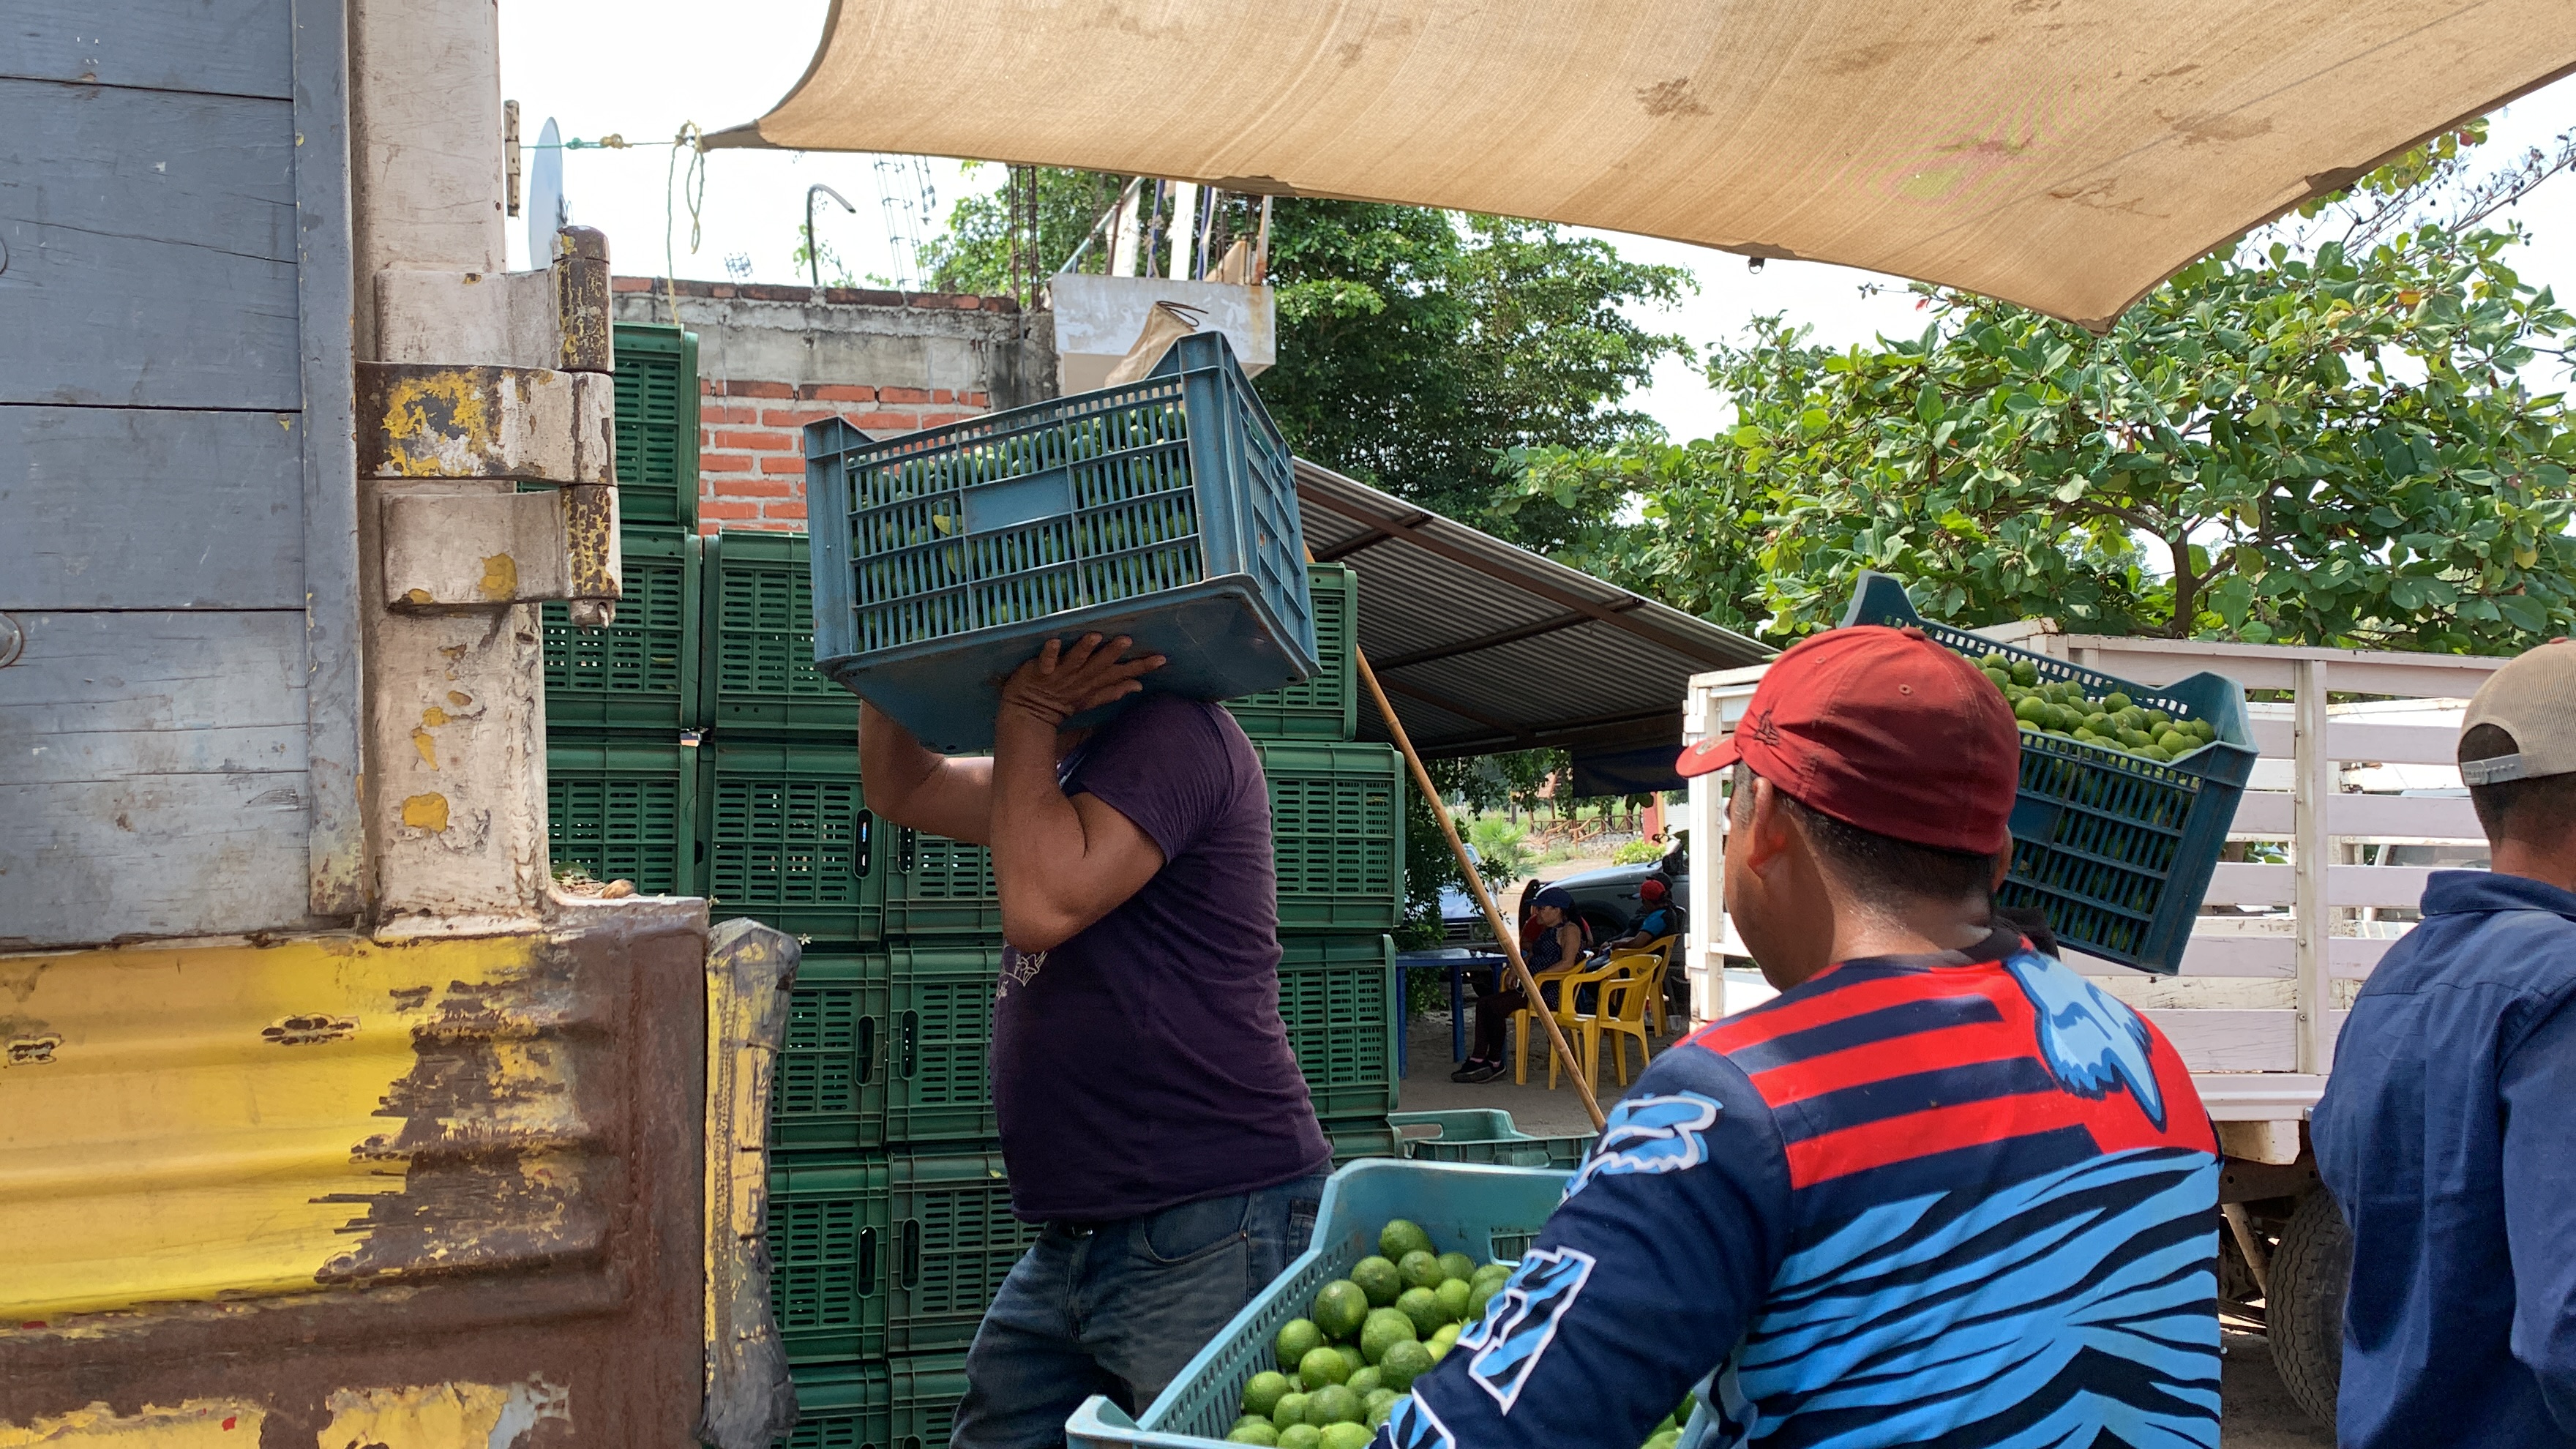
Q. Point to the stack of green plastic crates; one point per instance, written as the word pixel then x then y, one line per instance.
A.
pixel 622 702
pixel 1337 820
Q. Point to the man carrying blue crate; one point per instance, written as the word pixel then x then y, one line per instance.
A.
pixel 1153 1117
pixel 1941 1190
pixel 2447 1133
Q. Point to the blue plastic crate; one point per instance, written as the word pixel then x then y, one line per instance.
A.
pixel 2115 849
pixel 1165 510
pixel 1488 1213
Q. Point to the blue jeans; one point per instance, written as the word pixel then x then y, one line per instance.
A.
pixel 1119 1308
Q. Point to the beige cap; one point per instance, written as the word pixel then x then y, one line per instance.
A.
pixel 2532 699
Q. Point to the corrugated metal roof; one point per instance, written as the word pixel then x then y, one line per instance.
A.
pixel 1484 646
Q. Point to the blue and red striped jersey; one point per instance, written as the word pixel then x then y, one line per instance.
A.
pixel 1966 1198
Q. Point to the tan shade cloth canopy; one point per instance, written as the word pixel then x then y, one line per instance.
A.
pixel 2063 154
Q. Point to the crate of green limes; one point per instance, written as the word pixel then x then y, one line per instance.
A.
pixel 2127 789
pixel 1405 1256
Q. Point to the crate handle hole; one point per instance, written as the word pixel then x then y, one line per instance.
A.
pixel 911 1252
pixel 867 1052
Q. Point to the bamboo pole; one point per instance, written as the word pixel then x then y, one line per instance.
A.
pixel 1510 939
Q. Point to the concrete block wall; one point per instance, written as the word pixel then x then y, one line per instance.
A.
pixel 772 359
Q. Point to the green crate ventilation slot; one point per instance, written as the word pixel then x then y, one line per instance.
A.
pixel 1318 706
pixel 907 1403
pixel 765 625
pixel 942 1030
pixel 1338 1025
pixel 616 826
pixel 783 841
pixel 828 1053
pixel 1335 834
pixel 924 569
pixel 823 1257
pixel 651 389
pixel 639 654
pixel 959 1244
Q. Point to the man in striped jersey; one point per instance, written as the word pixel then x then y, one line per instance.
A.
pixel 1941 1190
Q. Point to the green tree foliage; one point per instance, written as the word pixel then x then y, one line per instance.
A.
pixel 974 254
pixel 2339 448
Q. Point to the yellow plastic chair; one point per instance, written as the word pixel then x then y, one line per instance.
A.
pixel 1614 973
pixel 1525 1022
pixel 1625 999
pixel 1661 948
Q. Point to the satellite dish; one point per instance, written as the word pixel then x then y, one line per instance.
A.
pixel 547 213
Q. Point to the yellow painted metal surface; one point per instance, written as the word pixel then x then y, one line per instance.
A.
pixel 439 1416
pixel 196 1424
pixel 236 1121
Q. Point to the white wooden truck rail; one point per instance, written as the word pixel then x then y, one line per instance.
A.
pixel 2260 996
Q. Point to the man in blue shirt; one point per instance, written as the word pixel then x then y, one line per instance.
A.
pixel 1941 1190
pixel 2448 1131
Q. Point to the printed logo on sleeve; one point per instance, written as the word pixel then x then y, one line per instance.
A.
pixel 1508 1342
pixel 1651 1134
pixel 1412 1425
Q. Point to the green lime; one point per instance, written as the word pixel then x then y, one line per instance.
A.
pixel 1399 1237
pixel 1321 1366
pixel 1422 1305
pixel 1378 1279
pixel 1332 1404
pixel 1683 1410
pixel 1253 1431
pixel 1994 659
pixel 2116 700
pixel 2029 707
pixel 1348 1436
pixel 1262 1394
pixel 1301 1436
pixel 1404 1361
pixel 1665 1440
pixel 1385 1327
pixel 1352 1358
pixel 1443 1341
pixel 2024 672
pixel 1453 1294
pixel 1289 1411
pixel 1363 1380
pixel 1339 1307
pixel 1458 1266
pixel 1421 1269
pixel 1298 1337
pixel 2158 718
pixel 1380 1402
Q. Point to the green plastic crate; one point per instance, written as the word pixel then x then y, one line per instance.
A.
pixel 1361 1137
pixel 831 1084
pixel 895 1252
pixel 760 632
pixel 888 1049
pixel 656 386
pixel 903 1403
pixel 789 839
pixel 1337 823
pixel 1324 706
pixel 624 809
pixel 1337 997
pixel 939 886
pixel 641 672
pixel 1486 1135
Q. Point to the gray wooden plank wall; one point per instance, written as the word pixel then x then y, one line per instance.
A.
pixel 153 733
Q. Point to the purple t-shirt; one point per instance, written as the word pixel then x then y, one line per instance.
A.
pixel 1142 1064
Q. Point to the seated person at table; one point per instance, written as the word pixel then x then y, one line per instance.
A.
pixel 1656 918
pixel 1557 946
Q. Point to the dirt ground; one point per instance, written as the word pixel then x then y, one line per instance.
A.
pixel 2257 1411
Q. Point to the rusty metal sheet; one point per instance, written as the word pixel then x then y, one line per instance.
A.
pixel 423 1192
pixel 751 1402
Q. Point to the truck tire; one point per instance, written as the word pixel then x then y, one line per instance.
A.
pixel 2304 1317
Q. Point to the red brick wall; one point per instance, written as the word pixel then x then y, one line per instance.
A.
pixel 751 452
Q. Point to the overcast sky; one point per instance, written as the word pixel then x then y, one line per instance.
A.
pixel 644 67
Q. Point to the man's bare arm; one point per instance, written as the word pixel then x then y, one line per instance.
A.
pixel 919 787
pixel 1061 863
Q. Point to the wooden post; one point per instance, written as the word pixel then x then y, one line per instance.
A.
pixel 1503 932
pixel 2312 852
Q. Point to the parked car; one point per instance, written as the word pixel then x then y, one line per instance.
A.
pixel 1606 899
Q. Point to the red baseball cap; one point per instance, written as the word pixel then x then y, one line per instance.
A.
pixel 1884 729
